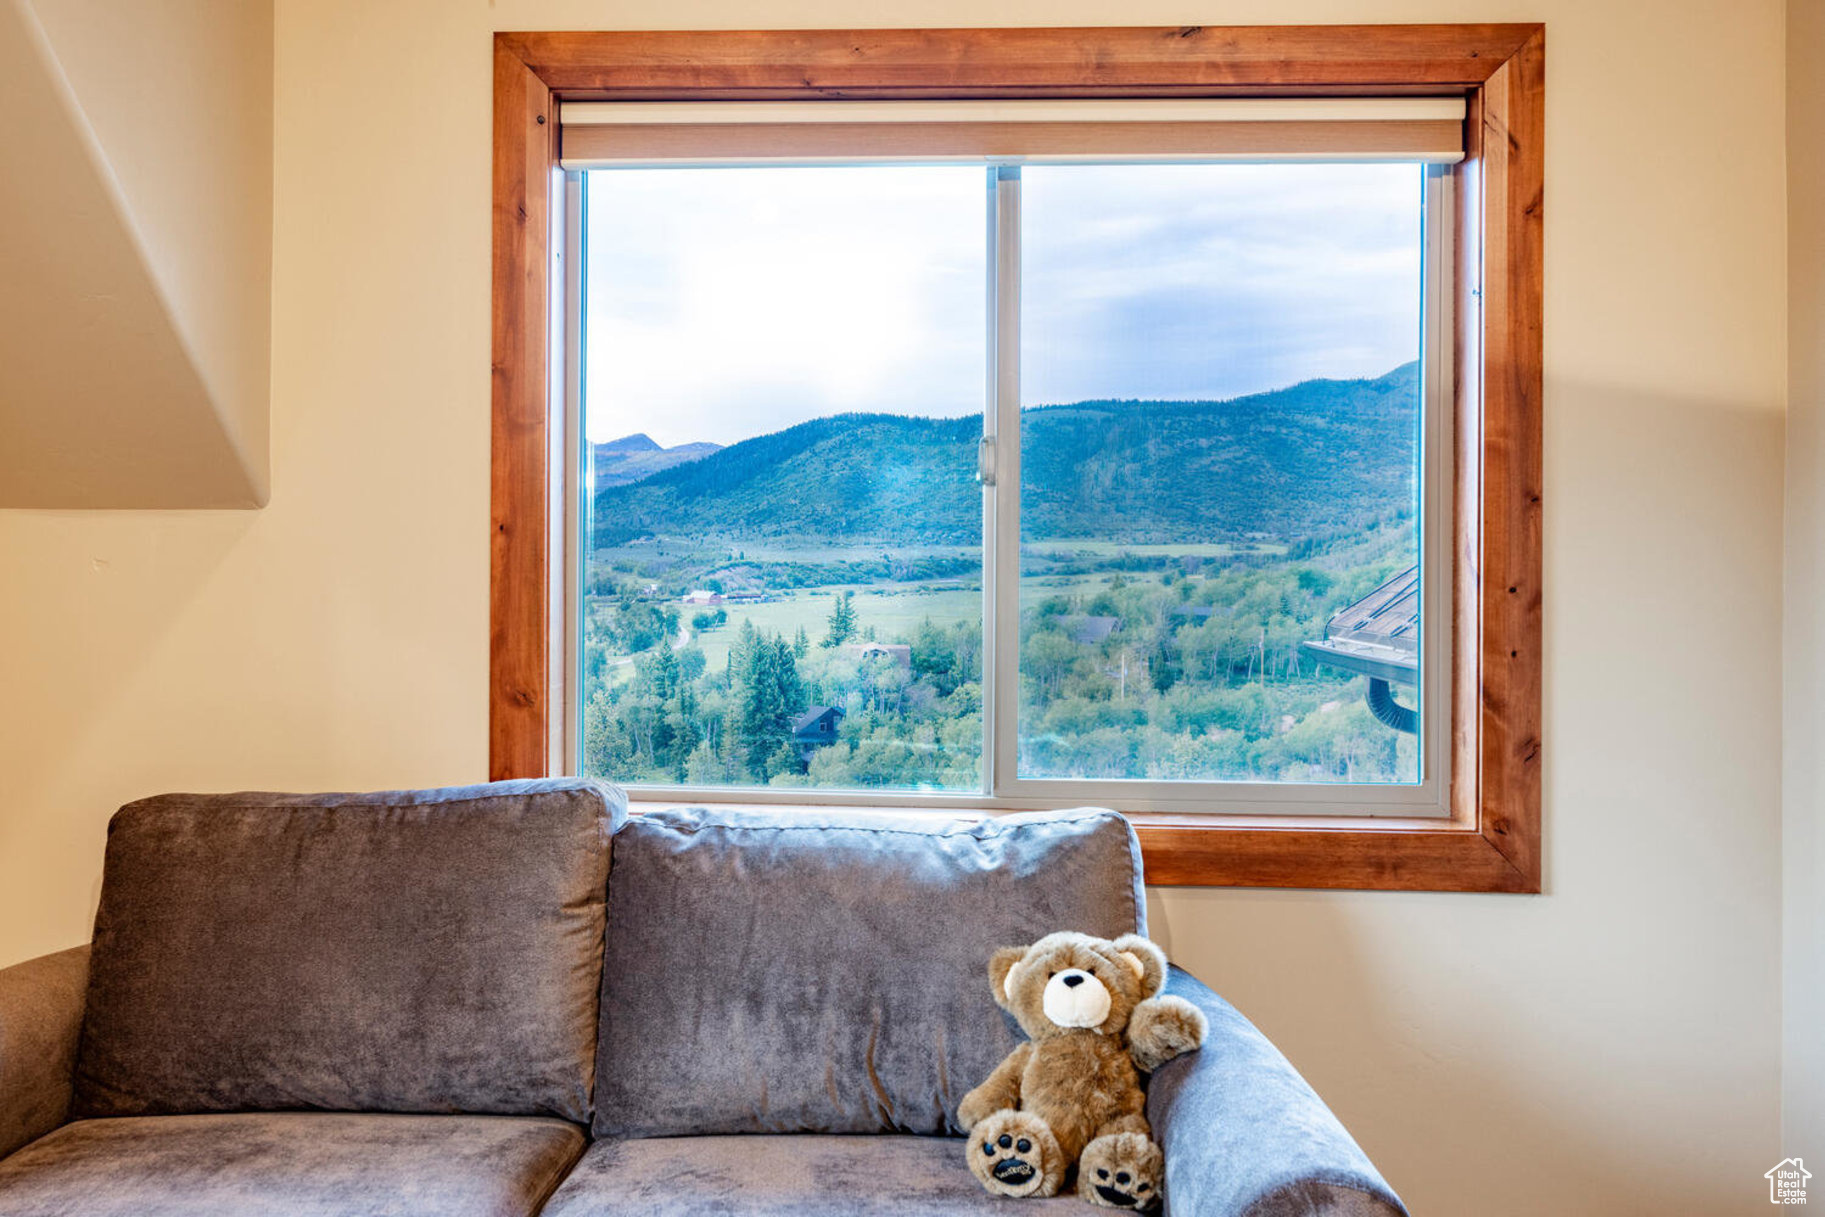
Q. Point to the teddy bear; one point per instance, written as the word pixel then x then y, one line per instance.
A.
pixel 1071 1095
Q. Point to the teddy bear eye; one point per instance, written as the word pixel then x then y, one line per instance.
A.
pixel 1101 1173
pixel 988 1147
pixel 1143 1187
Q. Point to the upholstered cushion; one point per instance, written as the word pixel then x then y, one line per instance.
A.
pixel 301 1164
pixel 790 973
pixel 806 1176
pixel 40 1019
pixel 417 951
pixel 1245 1135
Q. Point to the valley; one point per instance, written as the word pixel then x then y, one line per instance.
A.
pixel 1174 556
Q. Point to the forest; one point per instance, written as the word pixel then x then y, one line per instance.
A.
pixel 1174 557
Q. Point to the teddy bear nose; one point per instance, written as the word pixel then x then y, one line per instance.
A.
pixel 1074 980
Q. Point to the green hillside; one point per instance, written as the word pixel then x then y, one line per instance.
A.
pixel 1319 458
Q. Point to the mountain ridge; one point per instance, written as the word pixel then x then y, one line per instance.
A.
pixel 1311 458
pixel 639 441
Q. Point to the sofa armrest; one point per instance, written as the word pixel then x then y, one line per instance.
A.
pixel 41 1004
pixel 1246 1137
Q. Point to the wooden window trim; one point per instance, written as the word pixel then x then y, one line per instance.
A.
pixel 1491 842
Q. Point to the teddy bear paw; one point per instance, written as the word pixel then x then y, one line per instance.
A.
pixel 1162 1028
pixel 1121 1171
pixel 1013 1153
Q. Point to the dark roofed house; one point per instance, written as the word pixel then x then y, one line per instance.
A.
pixel 1093 631
pixel 814 729
pixel 1378 637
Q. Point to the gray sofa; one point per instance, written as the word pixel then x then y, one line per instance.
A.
pixel 449 1002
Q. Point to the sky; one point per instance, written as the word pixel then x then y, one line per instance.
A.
pixel 724 303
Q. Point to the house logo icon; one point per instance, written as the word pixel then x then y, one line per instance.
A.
pixel 1787 1182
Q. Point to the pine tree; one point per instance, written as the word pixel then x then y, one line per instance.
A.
pixel 747 730
pixel 767 693
pixel 842 621
pixel 791 688
pixel 657 675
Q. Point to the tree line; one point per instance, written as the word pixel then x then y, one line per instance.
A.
pixel 1199 678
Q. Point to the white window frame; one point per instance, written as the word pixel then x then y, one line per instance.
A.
pixel 1003 788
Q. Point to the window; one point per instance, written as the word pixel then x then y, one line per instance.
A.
pixel 1223 446
pixel 783 567
pixel 1191 512
pixel 1195 397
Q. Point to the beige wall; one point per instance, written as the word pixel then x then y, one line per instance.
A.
pixel 136 239
pixel 1612 1046
pixel 136 252
pixel 1803 770
pixel 178 93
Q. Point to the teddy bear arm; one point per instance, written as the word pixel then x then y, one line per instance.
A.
pixel 999 1092
pixel 1162 1028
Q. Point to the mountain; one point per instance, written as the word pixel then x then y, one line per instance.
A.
pixel 621 462
pixel 1320 457
pixel 640 441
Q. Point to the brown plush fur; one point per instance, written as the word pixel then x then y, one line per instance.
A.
pixel 1072 1096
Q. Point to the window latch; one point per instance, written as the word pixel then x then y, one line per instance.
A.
pixel 985 460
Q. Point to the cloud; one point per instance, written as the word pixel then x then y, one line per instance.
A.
pixel 1210 281
pixel 725 303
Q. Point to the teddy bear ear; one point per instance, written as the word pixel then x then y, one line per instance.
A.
pixel 1001 970
pixel 1147 960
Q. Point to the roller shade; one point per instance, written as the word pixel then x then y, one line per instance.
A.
pixel 609 134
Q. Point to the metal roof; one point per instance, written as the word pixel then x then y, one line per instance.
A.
pixel 1089 631
pixel 1378 635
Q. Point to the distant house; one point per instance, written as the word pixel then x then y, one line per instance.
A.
pixel 700 596
pixel 896 653
pixel 1094 631
pixel 814 729
pixel 744 597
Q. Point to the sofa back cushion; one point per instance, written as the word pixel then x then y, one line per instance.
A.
pixel 829 973
pixel 409 951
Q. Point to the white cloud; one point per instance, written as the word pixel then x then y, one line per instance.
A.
pixel 725 303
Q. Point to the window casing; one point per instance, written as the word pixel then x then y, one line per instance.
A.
pixel 1488 767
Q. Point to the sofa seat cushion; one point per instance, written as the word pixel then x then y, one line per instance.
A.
pixel 827 972
pixel 428 951
pixel 303 1164
pixel 785 1176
